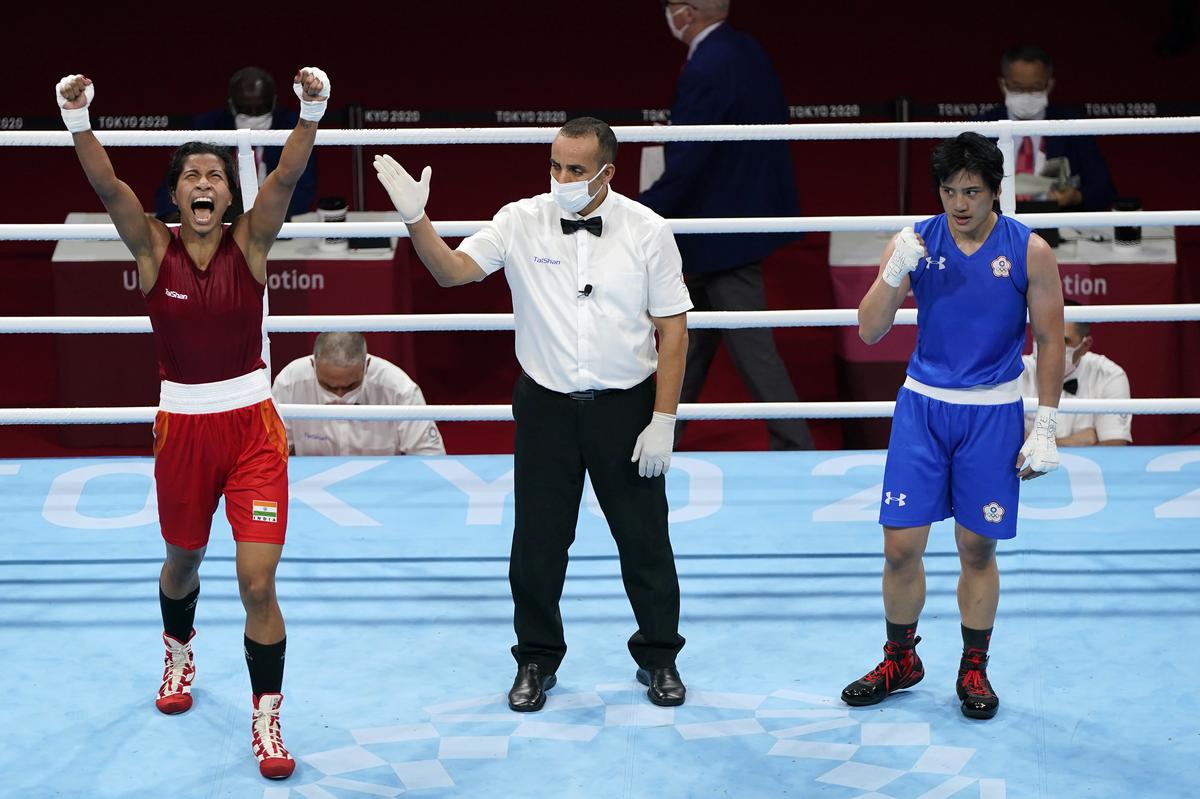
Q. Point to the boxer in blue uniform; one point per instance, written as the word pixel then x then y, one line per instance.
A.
pixel 957 427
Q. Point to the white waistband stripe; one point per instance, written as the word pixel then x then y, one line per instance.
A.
pixel 1000 394
pixel 223 395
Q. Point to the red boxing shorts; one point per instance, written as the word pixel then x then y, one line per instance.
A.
pixel 240 453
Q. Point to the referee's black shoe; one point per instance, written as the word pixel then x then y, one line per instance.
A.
pixel 528 693
pixel 664 686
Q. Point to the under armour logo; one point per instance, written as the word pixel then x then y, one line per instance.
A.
pixel 940 263
pixel 899 500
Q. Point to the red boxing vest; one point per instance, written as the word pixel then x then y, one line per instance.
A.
pixel 207 323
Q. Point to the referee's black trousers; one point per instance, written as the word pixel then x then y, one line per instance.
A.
pixel 559 438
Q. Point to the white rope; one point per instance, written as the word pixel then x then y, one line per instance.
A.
pixel 778 224
pixel 1004 129
pixel 424 323
pixel 632 133
pixel 503 413
pixel 868 410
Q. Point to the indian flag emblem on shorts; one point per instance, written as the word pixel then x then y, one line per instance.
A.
pixel 264 511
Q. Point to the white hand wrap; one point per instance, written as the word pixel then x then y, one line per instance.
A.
pixel 407 195
pixel 312 110
pixel 77 120
pixel 652 451
pixel 905 257
pixel 1041 448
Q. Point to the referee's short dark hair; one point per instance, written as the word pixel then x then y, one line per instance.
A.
pixel 590 126
pixel 968 152
pixel 1026 52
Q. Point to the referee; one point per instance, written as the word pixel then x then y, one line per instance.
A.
pixel 593 275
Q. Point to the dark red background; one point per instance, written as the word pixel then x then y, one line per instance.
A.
pixel 547 55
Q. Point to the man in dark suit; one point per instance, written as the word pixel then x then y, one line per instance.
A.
pixel 728 79
pixel 1027 79
pixel 251 104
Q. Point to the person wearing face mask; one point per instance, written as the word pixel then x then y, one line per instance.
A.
pixel 1087 375
pixel 251 104
pixel 340 372
pixel 594 276
pixel 728 79
pixel 1027 80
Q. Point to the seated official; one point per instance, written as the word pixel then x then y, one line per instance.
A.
pixel 340 372
pixel 1027 80
pixel 1088 375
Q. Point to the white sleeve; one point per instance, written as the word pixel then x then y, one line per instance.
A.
pixel 490 245
pixel 1079 421
pixel 1029 388
pixel 1114 426
pixel 668 294
pixel 282 391
pixel 417 438
pixel 1028 377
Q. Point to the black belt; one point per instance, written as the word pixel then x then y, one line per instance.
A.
pixel 592 393
pixel 583 396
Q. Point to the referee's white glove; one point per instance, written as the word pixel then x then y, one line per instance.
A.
pixel 908 252
pixel 312 86
pixel 1040 453
pixel 653 448
pixel 407 195
pixel 74 94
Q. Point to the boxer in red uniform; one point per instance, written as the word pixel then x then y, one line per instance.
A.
pixel 217 431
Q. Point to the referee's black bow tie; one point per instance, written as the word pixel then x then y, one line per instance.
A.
pixel 1071 386
pixel 593 225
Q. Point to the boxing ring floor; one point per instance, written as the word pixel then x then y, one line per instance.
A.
pixel 394 586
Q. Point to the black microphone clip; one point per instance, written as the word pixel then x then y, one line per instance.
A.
pixel 586 291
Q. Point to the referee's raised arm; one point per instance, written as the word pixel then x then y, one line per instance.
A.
pixel 448 267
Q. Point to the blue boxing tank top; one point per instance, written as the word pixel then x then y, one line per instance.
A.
pixel 971 309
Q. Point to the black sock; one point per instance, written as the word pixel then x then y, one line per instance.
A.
pixel 265 662
pixel 178 614
pixel 976 639
pixel 902 634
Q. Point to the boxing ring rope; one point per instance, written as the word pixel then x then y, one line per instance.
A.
pixel 426 323
pixel 770 224
pixel 503 413
pixel 648 134
pixel 1005 131
pixel 480 322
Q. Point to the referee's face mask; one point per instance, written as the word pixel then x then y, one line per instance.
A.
pixel 574 196
pixel 340 385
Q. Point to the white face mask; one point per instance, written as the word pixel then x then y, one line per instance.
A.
pixel 259 122
pixel 1070 364
pixel 327 397
pixel 1026 105
pixel 573 197
pixel 671 12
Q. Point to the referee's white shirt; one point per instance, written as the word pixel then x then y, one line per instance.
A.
pixel 1099 378
pixel 569 337
pixel 384 383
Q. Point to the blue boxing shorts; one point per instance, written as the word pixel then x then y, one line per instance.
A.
pixel 948 459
